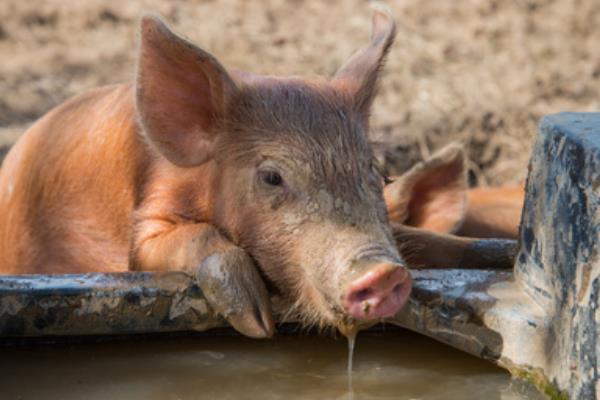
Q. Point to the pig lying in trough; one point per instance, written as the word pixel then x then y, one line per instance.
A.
pixel 249 183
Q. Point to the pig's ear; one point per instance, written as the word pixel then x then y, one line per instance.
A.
pixel 431 195
pixel 358 77
pixel 182 92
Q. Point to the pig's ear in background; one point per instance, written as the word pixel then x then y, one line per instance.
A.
pixel 433 194
pixel 181 94
pixel 358 77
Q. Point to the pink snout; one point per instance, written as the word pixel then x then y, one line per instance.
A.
pixel 381 292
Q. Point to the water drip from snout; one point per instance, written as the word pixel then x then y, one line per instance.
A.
pixel 351 342
pixel 350 331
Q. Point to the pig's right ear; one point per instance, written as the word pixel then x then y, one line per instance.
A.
pixel 433 194
pixel 359 75
pixel 181 94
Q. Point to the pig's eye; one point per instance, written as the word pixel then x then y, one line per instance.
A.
pixel 272 178
pixel 377 171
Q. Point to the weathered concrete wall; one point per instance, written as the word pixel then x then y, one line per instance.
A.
pixel 558 264
pixel 95 304
pixel 544 324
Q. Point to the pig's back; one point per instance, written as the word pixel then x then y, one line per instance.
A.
pixel 68 187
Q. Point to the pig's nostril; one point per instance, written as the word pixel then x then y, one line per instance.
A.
pixel 379 293
pixel 363 294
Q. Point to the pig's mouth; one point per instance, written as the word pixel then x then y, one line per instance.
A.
pixel 307 306
pixel 374 285
pixel 368 300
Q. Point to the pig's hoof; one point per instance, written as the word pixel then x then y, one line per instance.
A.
pixel 232 285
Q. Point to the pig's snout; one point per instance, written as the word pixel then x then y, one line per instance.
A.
pixel 378 293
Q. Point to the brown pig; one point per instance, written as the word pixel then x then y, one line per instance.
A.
pixel 234 178
pixel 214 172
pixel 434 196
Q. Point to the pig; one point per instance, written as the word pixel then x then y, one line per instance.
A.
pixel 434 195
pixel 493 212
pixel 251 184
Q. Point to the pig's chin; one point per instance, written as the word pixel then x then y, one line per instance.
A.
pixel 349 326
pixel 307 305
pixel 334 318
pixel 312 309
pixel 317 313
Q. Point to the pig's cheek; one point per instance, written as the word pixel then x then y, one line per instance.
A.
pixel 233 287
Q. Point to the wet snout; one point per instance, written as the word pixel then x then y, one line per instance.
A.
pixel 380 292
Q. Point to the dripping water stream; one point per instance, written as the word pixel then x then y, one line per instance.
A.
pixel 351 343
pixel 350 331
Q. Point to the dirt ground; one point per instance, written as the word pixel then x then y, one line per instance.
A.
pixel 480 71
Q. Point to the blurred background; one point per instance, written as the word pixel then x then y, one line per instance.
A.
pixel 479 71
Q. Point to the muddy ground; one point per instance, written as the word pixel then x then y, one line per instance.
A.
pixel 480 71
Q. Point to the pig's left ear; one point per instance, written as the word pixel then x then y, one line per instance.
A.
pixel 358 77
pixel 431 195
pixel 182 93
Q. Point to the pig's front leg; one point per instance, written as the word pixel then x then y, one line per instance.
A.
pixel 226 274
pixel 423 248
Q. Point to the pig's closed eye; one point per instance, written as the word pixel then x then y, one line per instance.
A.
pixel 272 178
pixel 378 172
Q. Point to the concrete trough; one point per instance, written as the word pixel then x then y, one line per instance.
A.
pixel 540 321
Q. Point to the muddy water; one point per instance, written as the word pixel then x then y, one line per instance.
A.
pixel 388 365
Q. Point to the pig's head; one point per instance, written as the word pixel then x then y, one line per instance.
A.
pixel 295 182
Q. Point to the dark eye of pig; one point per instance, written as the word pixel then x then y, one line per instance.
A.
pixel 378 172
pixel 272 178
